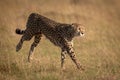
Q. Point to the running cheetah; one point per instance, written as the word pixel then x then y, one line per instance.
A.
pixel 60 34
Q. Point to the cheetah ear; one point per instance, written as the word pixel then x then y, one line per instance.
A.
pixel 73 25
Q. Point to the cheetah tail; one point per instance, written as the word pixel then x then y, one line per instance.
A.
pixel 19 31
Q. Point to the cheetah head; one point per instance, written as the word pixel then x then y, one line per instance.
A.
pixel 78 29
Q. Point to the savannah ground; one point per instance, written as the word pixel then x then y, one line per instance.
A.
pixel 98 51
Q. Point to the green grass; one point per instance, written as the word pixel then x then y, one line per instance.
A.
pixel 98 51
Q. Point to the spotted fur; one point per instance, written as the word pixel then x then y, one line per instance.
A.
pixel 60 34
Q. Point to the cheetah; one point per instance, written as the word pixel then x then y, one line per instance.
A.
pixel 60 34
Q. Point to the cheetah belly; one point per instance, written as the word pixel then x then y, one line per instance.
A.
pixel 53 39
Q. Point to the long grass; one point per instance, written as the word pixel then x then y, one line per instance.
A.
pixel 98 51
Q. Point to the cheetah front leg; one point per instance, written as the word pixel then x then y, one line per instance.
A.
pixel 34 44
pixel 71 53
pixel 26 37
pixel 63 56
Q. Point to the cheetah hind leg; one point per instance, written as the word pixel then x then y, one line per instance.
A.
pixel 19 45
pixel 33 45
pixel 25 37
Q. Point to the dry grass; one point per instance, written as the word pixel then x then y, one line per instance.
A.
pixel 98 51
